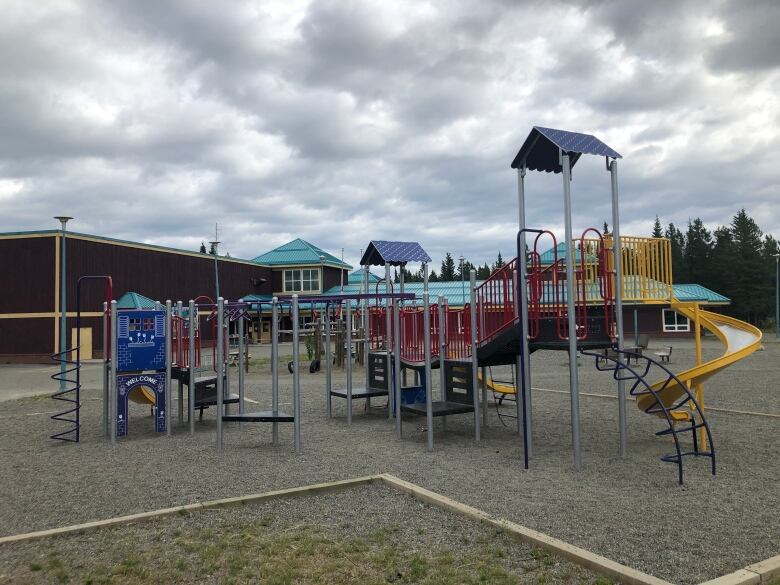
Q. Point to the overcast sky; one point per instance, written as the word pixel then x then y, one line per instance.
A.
pixel 341 122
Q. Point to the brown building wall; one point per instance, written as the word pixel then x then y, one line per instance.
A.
pixel 156 274
pixel 27 270
pixel 27 265
pixel 649 321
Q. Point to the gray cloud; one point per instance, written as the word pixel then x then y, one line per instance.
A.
pixel 341 122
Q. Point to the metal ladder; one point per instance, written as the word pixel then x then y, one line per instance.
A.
pixel 72 386
pixel 618 363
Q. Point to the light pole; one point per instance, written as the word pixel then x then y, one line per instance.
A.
pixel 322 274
pixel 214 245
pixel 462 281
pixel 63 219
pixel 777 295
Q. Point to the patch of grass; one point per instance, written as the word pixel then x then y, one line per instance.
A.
pixel 284 554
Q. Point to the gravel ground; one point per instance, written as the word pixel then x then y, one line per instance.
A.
pixel 371 514
pixel 630 510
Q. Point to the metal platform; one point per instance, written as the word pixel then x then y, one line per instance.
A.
pixel 262 416
pixel 358 393
pixel 206 401
pixel 439 408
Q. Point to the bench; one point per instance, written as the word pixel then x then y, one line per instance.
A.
pixel 664 355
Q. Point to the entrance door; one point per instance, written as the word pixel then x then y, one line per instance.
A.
pixel 86 342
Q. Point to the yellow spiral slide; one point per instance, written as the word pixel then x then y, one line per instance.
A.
pixel 739 340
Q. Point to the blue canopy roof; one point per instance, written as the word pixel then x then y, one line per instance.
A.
pixel 540 150
pixel 383 252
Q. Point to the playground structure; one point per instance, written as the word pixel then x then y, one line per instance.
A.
pixel 565 297
pixel 146 350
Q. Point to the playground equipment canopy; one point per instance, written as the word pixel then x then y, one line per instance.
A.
pixel 541 150
pixel 383 253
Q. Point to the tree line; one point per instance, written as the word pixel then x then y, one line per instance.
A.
pixel 451 270
pixel 736 260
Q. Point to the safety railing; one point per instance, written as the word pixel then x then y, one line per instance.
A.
pixel 412 321
pixel 181 343
pixel 458 332
pixel 496 302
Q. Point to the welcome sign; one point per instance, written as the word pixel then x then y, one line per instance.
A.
pixel 126 384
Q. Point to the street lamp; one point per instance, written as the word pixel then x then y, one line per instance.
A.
pixel 214 245
pixel 777 295
pixel 462 281
pixel 322 273
pixel 63 219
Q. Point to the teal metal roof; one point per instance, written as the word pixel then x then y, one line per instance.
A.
pixel 454 291
pixel 697 293
pixel 457 292
pixel 299 252
pixel 134 300
pixel 356 277
pixel 548 257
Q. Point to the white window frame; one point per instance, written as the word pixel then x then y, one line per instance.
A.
pixel 679 326
pixel 299 276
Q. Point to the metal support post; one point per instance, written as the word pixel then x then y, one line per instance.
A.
pixel 524 359
pixel 241 377
pixel 112 386
pixel 442 351
pixel 349 358
pixel 328 362
pixel 570 309
pixel 428 376
pixel 388 330
pixel 396 386
pixel 275 368
pixel 618 259
pixel 219 365
pixel 474 357
pixel 106 369
pixel 366 344
pixel 296 377
pixel 442 356
pixel 483 388
pixel 193 321
pixel 168 358
pixel 180 367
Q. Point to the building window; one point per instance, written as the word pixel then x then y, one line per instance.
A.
pixel 302 280
pixel 674 322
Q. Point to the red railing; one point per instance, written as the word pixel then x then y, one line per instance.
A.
pixel 413 333
pixel 603 276
pixel 458 332
pixel 181 343
pixel 496 302
pixel 377 327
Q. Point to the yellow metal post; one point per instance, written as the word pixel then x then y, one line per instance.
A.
pixel 698 387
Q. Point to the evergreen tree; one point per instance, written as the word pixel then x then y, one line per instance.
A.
pixel 605 230
pixel 433 277
pixel 677 240
pixel 464 270
pixel 750 287
pixel 698 252
pixel 657 230
pixel 499 261
pixel 213 249
pixel 202 247
pixel 447 272
pixel 721 278
pixel 769 253
pixel 483 272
